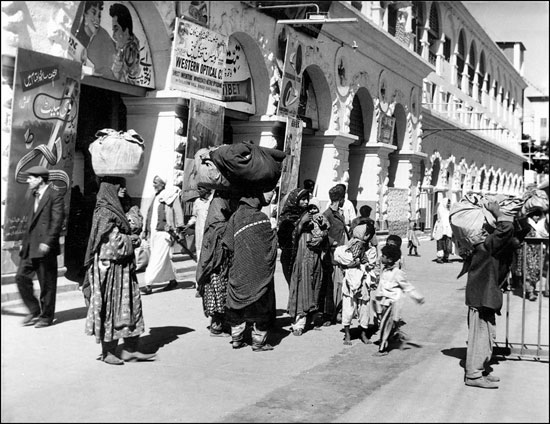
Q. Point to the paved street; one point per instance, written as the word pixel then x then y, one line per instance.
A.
pixel 52 375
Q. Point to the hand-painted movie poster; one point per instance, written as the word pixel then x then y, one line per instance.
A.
pixel 291 164
pixel 108 37
pixel 291 83
pixel 205 129
pixel 198 60
pixel 44 120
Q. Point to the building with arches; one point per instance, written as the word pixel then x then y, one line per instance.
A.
pixel 411 102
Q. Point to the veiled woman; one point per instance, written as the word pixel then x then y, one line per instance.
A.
pixel 113 295
pixel 294 207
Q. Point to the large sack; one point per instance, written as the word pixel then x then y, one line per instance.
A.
pixel 535 199
pixel 249 165
pixel 469 216
pixel 117 153
pixel 206 173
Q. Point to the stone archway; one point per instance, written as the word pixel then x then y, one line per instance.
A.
pixel 399 133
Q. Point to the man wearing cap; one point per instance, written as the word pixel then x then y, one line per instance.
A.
pixel 164 218
pixel 40 248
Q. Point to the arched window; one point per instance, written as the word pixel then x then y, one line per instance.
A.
pixel 418 25
pixel 356 126
pixel 460 58
pixel 481 77
pixel 471 68
pixel 433 34
pixel 392 19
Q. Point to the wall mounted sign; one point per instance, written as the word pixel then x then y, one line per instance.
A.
pixel 238 90
pixel 44 119
pixel 198 60
pixel 386 126
pixel 291 83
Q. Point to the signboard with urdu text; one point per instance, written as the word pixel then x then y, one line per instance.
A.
pixel 44 120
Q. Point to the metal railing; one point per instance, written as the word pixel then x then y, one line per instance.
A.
pixel 524 346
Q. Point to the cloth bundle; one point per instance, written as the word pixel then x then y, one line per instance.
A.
pixel 206 172
pixel 117 153
pixel 535 199
pixel 249 166
pixel 469 216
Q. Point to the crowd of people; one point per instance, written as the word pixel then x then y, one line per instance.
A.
pixel 331 259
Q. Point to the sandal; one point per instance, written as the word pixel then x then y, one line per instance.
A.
pixel 297 332
pixel 263 348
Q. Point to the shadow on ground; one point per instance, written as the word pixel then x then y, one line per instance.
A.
pixel 161 336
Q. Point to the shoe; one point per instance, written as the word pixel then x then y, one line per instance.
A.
pixel 439 260
pixel 480 382
pixel 238 345
pixel 42 323
pixel 492 378
pixel 112 359
pixel 173 284
pixel 29 320
pixel 531 296
pixel 147 290
pixel 220 334
pixel 297 332
pixel 545 293
pixel 263 348
pixel 127 356
pixel 197 294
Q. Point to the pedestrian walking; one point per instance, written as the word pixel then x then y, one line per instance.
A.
pixel 115 310
pixel 198 217
pixel 487 271
pixel 39 249
pixel 294 207
pixel 252 246
pixel 164 220
pixel 388 296
pixel 413 241
pixel 310 237
pixel 359 261
pixel 442 231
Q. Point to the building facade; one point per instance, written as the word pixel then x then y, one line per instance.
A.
pixel 411 102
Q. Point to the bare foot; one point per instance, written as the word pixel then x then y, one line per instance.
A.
pixel 365 339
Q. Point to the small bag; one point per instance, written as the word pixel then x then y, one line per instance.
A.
pixel 142 253
pixel 117 153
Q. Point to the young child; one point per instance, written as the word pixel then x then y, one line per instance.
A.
pixel 395 240
pixel 393 283
pixel 413 239
pixel 359 261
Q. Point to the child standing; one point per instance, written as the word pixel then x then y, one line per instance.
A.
pixel 393 283
pixel 413 239
pixel 359 261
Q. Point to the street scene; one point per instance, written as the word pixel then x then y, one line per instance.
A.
pixel 270 211
pixel 53 375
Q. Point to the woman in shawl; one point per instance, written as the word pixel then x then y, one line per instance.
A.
pixel 112 293
pixel 212 266
pixel 294 207
pixel 311 239
pixel 252 246
pixel 442 231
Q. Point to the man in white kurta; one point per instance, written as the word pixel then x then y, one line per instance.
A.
pixel 160 268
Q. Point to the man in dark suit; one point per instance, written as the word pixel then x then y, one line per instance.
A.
pixel 40 248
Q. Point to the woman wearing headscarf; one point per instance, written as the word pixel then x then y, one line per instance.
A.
pixel 114 299
pixel 293 209
pixel 442 231
pixel 252 248
pixel 310 237
pixel 212 266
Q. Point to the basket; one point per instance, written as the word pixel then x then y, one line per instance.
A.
pixel 117 153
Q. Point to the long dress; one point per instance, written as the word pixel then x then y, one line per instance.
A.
pixel 253 247
pixel 115 308
pixel 307 273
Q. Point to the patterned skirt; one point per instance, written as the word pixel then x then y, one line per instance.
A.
pixel 213 296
